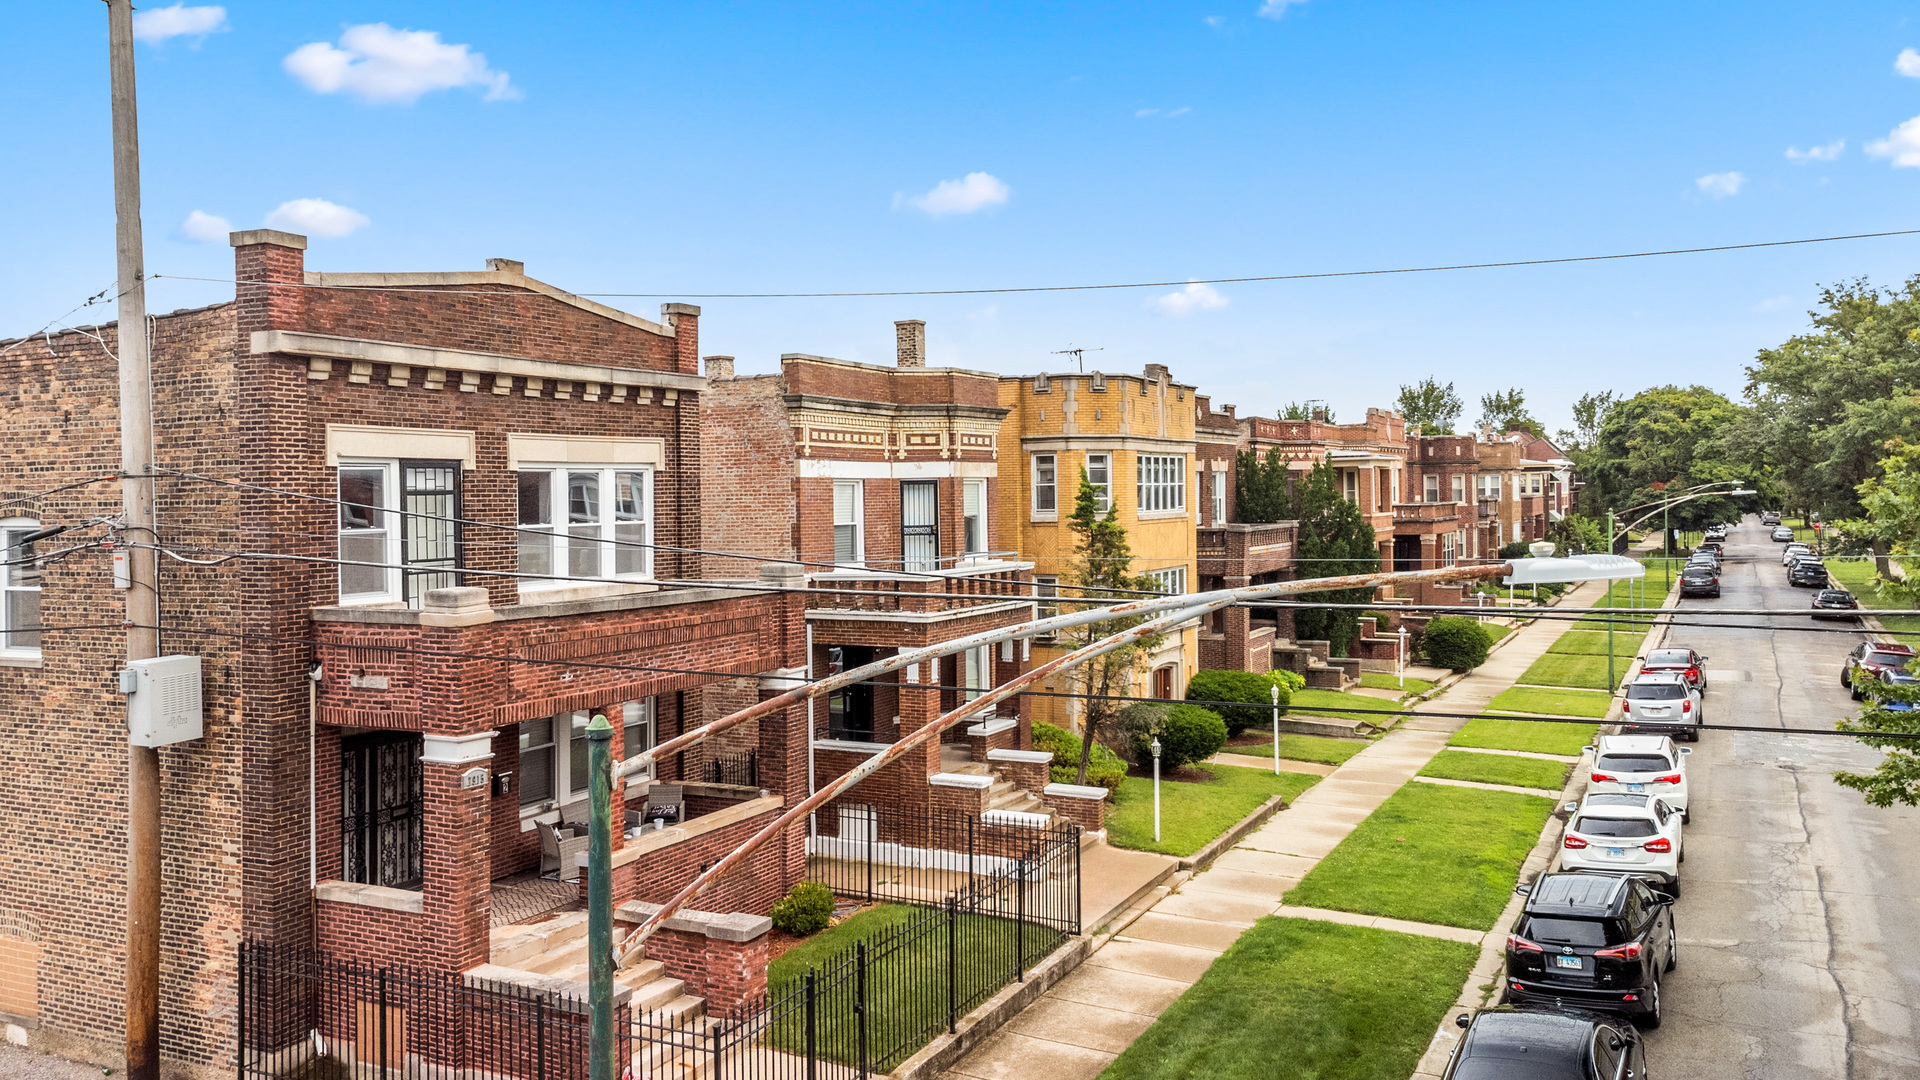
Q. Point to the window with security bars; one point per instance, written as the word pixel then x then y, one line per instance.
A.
pixel 849 532
pixel 1162 482
pixel 399 533
pixel 382 803
pixel 920 524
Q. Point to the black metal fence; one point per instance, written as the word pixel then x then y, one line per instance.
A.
pixel 879 854
pixel 741 768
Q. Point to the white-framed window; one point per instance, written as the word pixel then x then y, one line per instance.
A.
pixel 977 671
pixel 637 733
pixel 1459 489
pixel 973 517
pixel 578 521
pixel 1432 488
pixel 398 533
pixel 1046 484
pixel 1163 482
pixel 1047 587
pixel 19 589
pixel 537 752
pixel 1536 485
pixel 1172 580
pixel 1100 475
pixel 1449 549
pixel 1219 496
pixel 849 523
pixel 1350 485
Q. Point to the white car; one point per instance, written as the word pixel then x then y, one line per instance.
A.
pixel 1637 834
pixel 1664 699
pixel 1793 551
pixel 1641 765
pixel 1782 534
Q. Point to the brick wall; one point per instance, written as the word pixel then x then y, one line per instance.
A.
pixel 369 934
pixel 747 471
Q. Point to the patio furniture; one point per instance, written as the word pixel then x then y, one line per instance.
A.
pixel 666 802
pixel 577 814
pixel 559 845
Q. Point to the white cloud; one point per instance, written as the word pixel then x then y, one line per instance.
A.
pixel 316 217
pixel 1273 9
pixel 1721 184
pixel 974 191
pixel 1907 63
pixel 375 62
pixel 1816 153
pixel 179 20
pixel 205 228
pixel 1194 297
pixel 1902 145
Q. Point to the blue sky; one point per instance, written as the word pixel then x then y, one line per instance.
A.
pixel 682 149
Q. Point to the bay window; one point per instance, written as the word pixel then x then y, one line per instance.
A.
pixel 585 522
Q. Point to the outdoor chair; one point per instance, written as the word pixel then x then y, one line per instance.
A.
pixel 558 847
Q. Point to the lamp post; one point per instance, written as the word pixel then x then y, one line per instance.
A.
pixel 1403 655
pixel 1276 729
pixel 1156 784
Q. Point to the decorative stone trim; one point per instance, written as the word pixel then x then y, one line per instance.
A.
pixel 362 354
pixel 964 780
pixel 733 926
pixel 1029 757
pixel 1015 817
pixel 457 749
pixel 374 896
pixel 992 725
pixel 1075 791
pixel 851 746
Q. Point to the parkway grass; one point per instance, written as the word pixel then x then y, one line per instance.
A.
pixel 1498 769
pixel 1552 701
pixel 1431 854
pixel 1594 643
pixel 1315 748
pixel 1193 813
pixel 1300 1000
pixel 1574 670
pixel 1534 736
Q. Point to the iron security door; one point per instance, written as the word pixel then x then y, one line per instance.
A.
pixel 920 524
pixel 381 808
pixel 429 537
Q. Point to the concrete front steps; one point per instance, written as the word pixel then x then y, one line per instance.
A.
pixel 1004 794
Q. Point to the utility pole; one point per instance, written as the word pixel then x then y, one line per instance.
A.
pixel 143 601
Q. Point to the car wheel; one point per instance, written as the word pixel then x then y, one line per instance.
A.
pixel 1855 693
pixel 1650 1020
pixel 1682 857
pixel 1846 678
pixel 1686 817
pixel 1673 888
pixel 1673 947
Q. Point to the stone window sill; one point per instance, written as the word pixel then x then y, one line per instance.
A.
pixel 373 896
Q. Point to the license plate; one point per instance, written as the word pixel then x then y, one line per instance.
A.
pixel 1569 962
pixel 1617 852
pixel 1636 787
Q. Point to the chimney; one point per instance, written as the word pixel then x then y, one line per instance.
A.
pixel 719 367
pixel 1228 409
pixel 269 270
pixel 1320 413
pixel 1156 373
pixel 910 342
pixel 508 266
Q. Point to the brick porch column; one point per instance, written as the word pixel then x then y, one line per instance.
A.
pixel 1238 623
pixel 456 860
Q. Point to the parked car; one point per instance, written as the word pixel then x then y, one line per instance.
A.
pixel 1770 517
pixel 1811 572
pixel 1641 765
pixel 1715 532
pixel 1834 604
pixel 1705 558
pixel 1699 581
pixel 1638 834
pixel 1869 658
pixel 1793 550
pixel 1686 661
pixel 1782 534
pixel 1541 1043
pixel 1593 941
pixel 1665 700
pixel 1715 546
pixel 1893 678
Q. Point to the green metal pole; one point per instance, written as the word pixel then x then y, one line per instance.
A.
pixel 1666 531
pixel 1612 681
pixel 600 898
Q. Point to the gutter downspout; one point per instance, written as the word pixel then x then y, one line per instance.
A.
pixel 313 806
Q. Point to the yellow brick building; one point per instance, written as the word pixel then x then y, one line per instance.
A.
pixel 1132 434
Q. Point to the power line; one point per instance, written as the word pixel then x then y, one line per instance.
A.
pixel 1120 285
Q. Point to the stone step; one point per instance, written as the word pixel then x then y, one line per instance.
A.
pixel 653 996
pixel 635 976
pixel 568 954
pixel 538 938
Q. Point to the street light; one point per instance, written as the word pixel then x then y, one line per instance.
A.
pixel 1276 728
pixel 1156 781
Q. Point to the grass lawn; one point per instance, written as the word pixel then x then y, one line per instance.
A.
pixel 1498 769
pixel 1313 748
pixel 1572 669
pixel 1381 680
pixel 1301 1000
pixel 1860 578
pixel 1305 702
pixel 1589 643
pixel 1431 854
pixel 1534 736
pixel 1192 814
pixel 1536 699
pixel 1495 631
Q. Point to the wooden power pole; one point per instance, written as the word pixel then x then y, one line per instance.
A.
pixel 143 601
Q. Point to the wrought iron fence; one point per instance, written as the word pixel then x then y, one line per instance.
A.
pixel 741 768
pixel 874 853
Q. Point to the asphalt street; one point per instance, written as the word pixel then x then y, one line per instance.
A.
pixel 1800 916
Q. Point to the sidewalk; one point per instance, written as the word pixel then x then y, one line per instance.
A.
pixel 1080 1025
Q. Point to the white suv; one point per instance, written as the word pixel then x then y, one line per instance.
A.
pixel 1641 765
pixel 1664 699
pixel 1635 834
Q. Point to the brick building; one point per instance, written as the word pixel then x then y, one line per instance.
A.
pixel 883 483
pixel 482 497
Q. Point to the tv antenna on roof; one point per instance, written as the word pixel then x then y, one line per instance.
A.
pixel 1078 359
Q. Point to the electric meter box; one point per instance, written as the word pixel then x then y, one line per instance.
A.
pixel 163 700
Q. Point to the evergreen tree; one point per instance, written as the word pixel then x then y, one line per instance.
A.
pixel 1260 487
pixel 1102 568
pixel 1335 540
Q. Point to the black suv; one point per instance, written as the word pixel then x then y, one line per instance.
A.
pixel 1808 572
pixel 1505 1042
pixel 1699 581
pixel 1594 941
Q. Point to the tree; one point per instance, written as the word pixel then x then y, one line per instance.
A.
pixel 1831 400
pixel 1260 487
pixel 1303 410
pixel 1891 521
pixel 1504 412
pixel 1589 415
pixel 1102 567
pixel 1667 439
pixel 1897 779
pixel 1432 408
pixel 1335 540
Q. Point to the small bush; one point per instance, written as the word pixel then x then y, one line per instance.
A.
pixel 1455 642
pixel 1104 769
pixel 1142 717
pixel 1382 622
pixel 1189 733
pixel 1515 550
pixel 1255 690
pixel 805 910
pixel 1288 682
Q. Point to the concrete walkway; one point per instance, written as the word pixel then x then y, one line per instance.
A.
pixel 1085 1021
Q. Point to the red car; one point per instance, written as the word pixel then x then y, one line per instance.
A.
pixel 1684 661
pixel 1869 660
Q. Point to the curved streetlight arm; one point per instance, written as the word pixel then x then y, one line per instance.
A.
pixel 1662 508
pixel 1687 493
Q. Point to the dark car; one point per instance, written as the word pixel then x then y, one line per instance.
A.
pixel 1699 581
pixel 1593 941
pixel 1510 1042
pixel 1811 572
pixel 1685 661
pixel 1719 550
pixel 1834 604
pixel 1868 659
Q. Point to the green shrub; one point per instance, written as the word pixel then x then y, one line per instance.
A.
pixel 1255 690
pixel 1455 642
pixel 805 910
pixel 1515 550
pixel 1382 622
pixel 1288 682
pixel 1189 733
pixel 1104 769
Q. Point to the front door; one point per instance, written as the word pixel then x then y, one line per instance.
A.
pixel 920 524
pixel 850 708
pixel 1406 553
pixel 381 808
